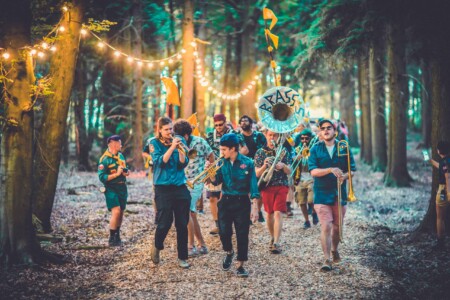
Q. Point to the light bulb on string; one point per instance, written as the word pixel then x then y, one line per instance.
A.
pixel 179 56
pixel 150 65
pixel 44 45
pixel 101 45
pixel 162 63
pixel 183 51
pixel 129 59
pixel 83 31
pixel 195 53
pixel 53 48
pixel 40 54
pixel 33 51
pixel 170 61
pixel 193 44
pixel 6 55
pixel 61 28
pixel 116 53
pixel 139 63
pixel 65 8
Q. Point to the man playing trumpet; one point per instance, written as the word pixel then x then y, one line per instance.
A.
pixel 275 193
pixel 329 169
pixel 203 152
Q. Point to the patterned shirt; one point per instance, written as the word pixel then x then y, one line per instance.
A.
pixel 213 139
pixel 197 164
pixel 278 177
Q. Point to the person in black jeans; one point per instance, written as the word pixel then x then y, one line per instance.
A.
pixel 238 178
pixel 171 194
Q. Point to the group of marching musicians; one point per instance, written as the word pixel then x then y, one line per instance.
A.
pixel 250 170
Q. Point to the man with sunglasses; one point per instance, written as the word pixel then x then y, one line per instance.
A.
pixel 213 138
pixel 303 181
pixel 327 168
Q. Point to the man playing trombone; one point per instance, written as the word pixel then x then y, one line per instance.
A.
pixel 329 169
pixel 275 165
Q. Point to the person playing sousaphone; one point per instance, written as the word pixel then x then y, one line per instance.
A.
pixel 325 165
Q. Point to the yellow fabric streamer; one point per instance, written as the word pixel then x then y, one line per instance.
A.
pixel 273 37
pixel 269 15
pixel 194 122
pixel 273 64
pixel 173 97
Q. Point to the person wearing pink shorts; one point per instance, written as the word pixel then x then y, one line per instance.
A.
pixel 327 169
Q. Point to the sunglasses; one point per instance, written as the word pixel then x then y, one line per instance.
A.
pixel 304 138
pixel 326 128
pixel 218 124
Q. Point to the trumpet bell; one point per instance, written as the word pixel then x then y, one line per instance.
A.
pixel 281 109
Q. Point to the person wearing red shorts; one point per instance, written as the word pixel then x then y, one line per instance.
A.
pixel 274 194
pixel 326 167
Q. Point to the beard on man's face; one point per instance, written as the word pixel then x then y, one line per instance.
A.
pixel 246 127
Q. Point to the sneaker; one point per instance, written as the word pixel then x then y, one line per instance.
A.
pixel 241 272
pixel 203 250
pixel 200 211
pixel 114 241
pixel 183 264
pixel 276 249
pixel 315 219
pixel 261 217
pixel 289 214
pixel 336 257
pixel 214 231
pixel 192 252
pixel 327 266
pixel 154 255
pixel 226 265
pixel 306 225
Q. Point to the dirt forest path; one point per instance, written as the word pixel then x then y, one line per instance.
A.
pixel 378 263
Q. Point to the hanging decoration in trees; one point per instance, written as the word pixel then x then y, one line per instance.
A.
pixel 194 123
pixel 173 97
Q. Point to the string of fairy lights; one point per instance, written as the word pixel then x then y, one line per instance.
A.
pixel 43 49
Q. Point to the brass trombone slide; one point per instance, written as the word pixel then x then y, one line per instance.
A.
pixel 207 173
pixel 341 145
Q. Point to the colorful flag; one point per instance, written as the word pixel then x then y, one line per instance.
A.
pixel 173 97
pixel 269 15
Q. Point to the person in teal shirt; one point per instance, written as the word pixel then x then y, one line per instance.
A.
pixel 238 178
pixel 327 169
pixel 112 172
pixel 171 194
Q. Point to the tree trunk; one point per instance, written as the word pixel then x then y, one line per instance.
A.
pixel 248 52
pixel 187 93
pixel 199 89
pixel 55 108
pixel 440 107
pixel 80 96
pixel 16 229
pixel 377 101
pixel 397 172
pixel 347 104
pixel 136 43
pixel 364 100
pixel 426 105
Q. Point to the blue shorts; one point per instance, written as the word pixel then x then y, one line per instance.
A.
pixel 196 193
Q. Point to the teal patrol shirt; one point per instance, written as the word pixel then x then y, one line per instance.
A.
pixel 171 172
pixel 325 187
pixel 239 178
pixel 108 164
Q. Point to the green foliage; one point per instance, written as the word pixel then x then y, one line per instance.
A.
pixel 99 26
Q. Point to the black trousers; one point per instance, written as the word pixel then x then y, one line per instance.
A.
pixel 172 201
pixel 235 209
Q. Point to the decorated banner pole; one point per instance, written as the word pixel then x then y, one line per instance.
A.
pixel 269 15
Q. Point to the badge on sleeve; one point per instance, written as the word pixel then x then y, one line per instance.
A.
pixel 101 167
pixel 243 166
pixel 152 148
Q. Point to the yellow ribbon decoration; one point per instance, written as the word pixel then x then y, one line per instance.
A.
pixel 173 97
pixel 269 15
